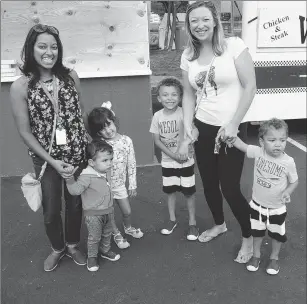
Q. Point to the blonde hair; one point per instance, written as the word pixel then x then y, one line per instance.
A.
pixel 218 39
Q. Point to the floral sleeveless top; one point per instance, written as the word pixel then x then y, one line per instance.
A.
pixel 41 115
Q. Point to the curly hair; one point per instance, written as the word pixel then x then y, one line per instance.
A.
pixel 170 82
pixel 275 123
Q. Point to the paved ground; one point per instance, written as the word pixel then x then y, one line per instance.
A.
pixel 156 269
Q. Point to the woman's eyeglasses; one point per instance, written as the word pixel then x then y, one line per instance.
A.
pixel 42 28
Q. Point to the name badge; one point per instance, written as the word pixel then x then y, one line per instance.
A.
pixel 60 137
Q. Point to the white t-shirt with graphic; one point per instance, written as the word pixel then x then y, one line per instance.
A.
pixel 170 129
pixel 271 176
pixel 223 90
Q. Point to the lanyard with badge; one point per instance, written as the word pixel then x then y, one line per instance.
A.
pixel 199 96
pixel 60 132
pixel 200 93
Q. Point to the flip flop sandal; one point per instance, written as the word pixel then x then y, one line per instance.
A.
pixel 204 238
pixel 273 267
pixel 243 258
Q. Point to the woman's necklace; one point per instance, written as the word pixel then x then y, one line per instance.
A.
pixel 46 78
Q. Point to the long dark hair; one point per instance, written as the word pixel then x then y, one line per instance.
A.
pixel 29 68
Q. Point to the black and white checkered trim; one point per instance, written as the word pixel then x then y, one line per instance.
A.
pixel 280 63
pixel 282 90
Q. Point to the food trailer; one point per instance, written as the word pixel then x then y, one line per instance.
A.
pixel 106 42
pixel 275 32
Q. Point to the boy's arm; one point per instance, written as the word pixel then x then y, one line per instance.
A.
pixel 285 196
pixel 293 182
pixel 239 144
pixel 161 146
pixel 79 186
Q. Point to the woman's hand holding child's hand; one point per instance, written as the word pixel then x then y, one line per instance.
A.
pixel 64 169
pixel 231 131
pixel 178 158
pixel 70 171
pixel 227 134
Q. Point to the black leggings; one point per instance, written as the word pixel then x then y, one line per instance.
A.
pixel 221 173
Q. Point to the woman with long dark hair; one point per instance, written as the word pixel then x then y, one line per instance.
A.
pixel 44 98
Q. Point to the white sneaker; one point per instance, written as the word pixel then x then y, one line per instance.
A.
pixel 253 264
pixel 92 264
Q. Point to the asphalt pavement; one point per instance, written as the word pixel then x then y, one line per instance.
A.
pixel 156 269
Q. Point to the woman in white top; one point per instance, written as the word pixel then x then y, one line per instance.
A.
pixel 221 105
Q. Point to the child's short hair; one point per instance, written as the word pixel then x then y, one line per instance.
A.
pixel 170 82
pixel 95 146
pixel 98 120
pixel 275 123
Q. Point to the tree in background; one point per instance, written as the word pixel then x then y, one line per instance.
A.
pixel 171 8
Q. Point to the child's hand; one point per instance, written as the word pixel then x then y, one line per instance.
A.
pixel 223 137
pixel 285 197
pixel 69 172
pixel 183 151
pixel 69 169
pixel 180 158
pixel 132 193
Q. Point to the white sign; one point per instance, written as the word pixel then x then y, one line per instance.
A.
pixel 282 28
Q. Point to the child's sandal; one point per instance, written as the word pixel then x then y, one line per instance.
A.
pixel 134 232
pixel 120 241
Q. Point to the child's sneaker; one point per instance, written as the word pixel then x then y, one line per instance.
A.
pixel 192 233
pixel 92 264
pixel 169 227
pixel 273 267
pixel 110 255
pixel 253 264
pixel 120 241
pixel 134 232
